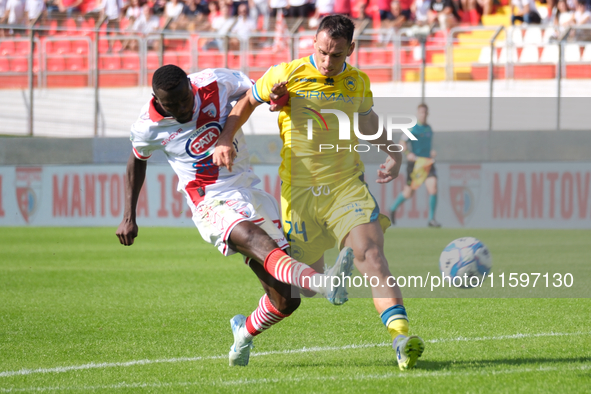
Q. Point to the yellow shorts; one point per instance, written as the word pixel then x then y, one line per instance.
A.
pixel 316 219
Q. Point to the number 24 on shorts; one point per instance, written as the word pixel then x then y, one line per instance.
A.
pixel 295 226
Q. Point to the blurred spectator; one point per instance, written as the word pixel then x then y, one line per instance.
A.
pixel 323 8
pixel 34 8
pixel 342 7
pixel 526 12
pixel 396 17
pixel 243 27
pixel 278 6
pixel 236 4
pixel 134 10
pixel 173 9
pixel 112 9
pixel 420 9
pixel 298 8
pixel 258 8
pixel 158 7
pixel 444 12
pixel 193 17
pixel 221 24
pixel 564 16
pixel 61 9
pixel 15 11
pixel 582 16
pixel 3 16
pixel 145 23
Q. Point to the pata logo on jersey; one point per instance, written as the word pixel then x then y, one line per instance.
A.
pixel 202 142
pixel 330 126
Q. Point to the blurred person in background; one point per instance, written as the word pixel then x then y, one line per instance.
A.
pixel 194 15
pixel 258 8
pixel 34 9
pixel 158 7
pixel 298 8
pixel 134 10
pixel 15 15
pixel 445 13
pixel 342 7
pixel 243 28
pixel 173 9
pixel 524 11
pixel 420 10
pixel 64 9
pixel 145 23
pixel 277 6
pixel 3 16
pixel 221 24
pixel 235 4
pixel 112 9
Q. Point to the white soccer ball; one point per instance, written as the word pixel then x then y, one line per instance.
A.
pixel 465 262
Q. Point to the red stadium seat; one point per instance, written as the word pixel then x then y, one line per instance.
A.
pixel 153 61
pixel 184 62
pixel 76 63
pixel 61 47
pixel 80 47
pixel 170 59
pixel 7 48
pixel 4 65
pixel 110 63
pixel 131 61
pixel 56 64
pixel 22 47
pixel 103 46
pixel 19 64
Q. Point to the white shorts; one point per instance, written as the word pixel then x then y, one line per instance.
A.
pixel 216 217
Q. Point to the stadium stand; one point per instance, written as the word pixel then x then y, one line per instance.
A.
pixel 129 50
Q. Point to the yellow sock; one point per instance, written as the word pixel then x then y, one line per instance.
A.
pixel 398 327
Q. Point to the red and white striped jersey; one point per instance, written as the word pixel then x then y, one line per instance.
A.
pixel 189 146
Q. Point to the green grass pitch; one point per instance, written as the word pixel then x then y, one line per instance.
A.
pixel 81 313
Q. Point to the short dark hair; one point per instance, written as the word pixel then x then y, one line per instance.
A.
pixel 337 26
pixel 168 77
pixel 423 105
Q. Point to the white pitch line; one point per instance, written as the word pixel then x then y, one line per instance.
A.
pixel 390 375
pixel 292 351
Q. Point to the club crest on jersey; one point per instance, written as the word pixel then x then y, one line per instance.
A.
pixel 210 110
pixel 202 141
pixel 350 84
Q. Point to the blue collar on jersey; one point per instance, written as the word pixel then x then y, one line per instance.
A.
pixel 314 63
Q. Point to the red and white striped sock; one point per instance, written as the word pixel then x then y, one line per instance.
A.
pixel 262 318
pixel 290 271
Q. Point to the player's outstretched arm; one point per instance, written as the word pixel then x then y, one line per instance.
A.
pixel 388 171
pixel 224 153
pixel 134 179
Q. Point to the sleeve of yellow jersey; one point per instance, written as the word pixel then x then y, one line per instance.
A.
pixel 367 103
pixel 261 90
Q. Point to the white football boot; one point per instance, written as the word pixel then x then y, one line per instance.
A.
pixel 240 350
pixel 342 268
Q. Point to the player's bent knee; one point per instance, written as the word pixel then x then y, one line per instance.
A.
pixel 286 305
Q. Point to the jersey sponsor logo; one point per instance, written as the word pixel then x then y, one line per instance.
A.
pixel 329 82
pixel 202 142
pixel 170 137
pixel 350 84
pixel 210 110
pixel 319 95
pixel 312 80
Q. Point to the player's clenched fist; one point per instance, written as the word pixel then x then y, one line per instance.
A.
pixel 389 170
pixel 126 232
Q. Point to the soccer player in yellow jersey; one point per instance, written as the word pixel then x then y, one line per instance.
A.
pixel 324 198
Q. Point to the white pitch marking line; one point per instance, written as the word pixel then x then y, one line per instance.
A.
pixel 391 375
pixel 292 351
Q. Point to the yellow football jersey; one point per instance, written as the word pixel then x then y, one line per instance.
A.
pixel 315 151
